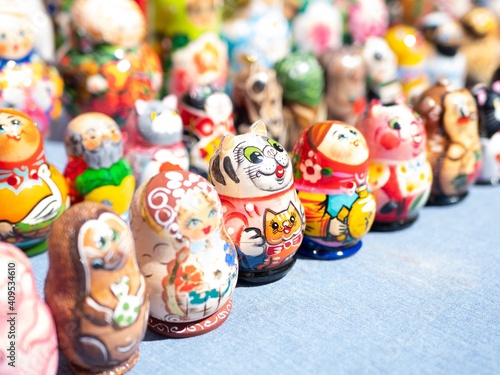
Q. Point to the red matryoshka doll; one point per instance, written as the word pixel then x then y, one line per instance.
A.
pixel 96 169
pixel 32 192
pixel 95 290
pixel 27 83
pixel 27 346
pixel 453 145
pixel 330 170
pixel 207 114
pixel 154 136
pixel 189 261
pixel 263 215
pixel 109 66
pixel 399 173
pixel 345 74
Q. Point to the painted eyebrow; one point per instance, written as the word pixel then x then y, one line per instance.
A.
pixel 90 130
pixel 11 116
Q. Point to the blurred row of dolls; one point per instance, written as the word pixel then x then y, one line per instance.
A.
pixel 255 155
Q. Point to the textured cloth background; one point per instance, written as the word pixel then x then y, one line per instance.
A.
pixel 424 300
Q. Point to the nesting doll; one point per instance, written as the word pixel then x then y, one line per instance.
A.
pixel 207 114
pixel 381 70
pixel 97 170
pixel 399 172
pixel 330 171
pixel 189 261
pixel 27 346
pixel 302 79
pixel 95 290
pixel 154 132
pixel 263 215
pixel 108 66
pixel 488 106
pixel 367 18
pixel 27 83
pixel 453 145
pixel 345 92
pixel 32 192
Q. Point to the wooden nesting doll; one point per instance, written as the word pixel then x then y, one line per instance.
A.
pixel 154 136
pixel 399 173
pixel 32 192
pixel 345 74
pixel 189 261
pixel 366 18
pixel 96 169
pixel 302 79
pixel 453 145
pixel 27 83
pixel 488 106
pixel 263 215
pixel 330 171
pixel 109 66
pixel 95 290
pixel 27 346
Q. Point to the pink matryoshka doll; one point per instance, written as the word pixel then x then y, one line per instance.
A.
pixel 189 261
pixel 27 346
pixel 263 215
pixel 399 174
pixel 330 169
pixel 32 193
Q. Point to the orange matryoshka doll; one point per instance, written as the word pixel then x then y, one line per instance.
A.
pixel 263 215
pixel 188 259
pixel 32 192
pixel 95 290
pixel 330 169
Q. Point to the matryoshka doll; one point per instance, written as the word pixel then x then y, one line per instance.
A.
pixel 488 106
pixel 399 173
pixel 109 66
pixel 367 18
pixel 453 145
pixel 154 133
pixel 32 192
pixel 95 290
pixel 263 215
pixel 27 83
pixel 97 170
pixel 27 346
pixel 183 250
pixel 330 171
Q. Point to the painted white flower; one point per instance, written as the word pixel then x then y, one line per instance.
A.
pixel 97 84
pixel 310 171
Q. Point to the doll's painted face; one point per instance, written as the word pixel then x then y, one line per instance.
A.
pixel 460 117
pixel 198 216
pixel 19 137
pixel 203 13
pixel 344 144
pixel 17 36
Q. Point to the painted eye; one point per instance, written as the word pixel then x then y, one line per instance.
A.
pixel 194 222
pixel 16 123
pixel 258 86
pixel 101 242
pixel 275 144
pixel 394 124
pixel 115 236
pixel 342 137
pixel 378 56
pixel 21 33
pixel 3 36
pixel 274 225
pixel 353 132
pixel 2 129
pixel 253 154
pixel 292 218
pixel 212 213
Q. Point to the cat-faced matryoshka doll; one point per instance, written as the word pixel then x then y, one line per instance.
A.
pixel 453 145
pixel 399 173
pixel 330 170
pixel 95 290
pixel 96 169
pixel 263 215
pixel 32 192
pixel 27 346
pixel 189 261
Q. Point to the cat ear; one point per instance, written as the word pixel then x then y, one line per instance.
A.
pixel 227 142
pixel 141 106
pixel 400 98
pixel 375 104
pixel 170 101
pixel 259 128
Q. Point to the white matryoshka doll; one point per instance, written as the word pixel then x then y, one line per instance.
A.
pixel 399 174
pixel 189 261
pixel 330 170
pixel 263 215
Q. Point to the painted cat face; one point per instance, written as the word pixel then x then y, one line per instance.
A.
pixel 251 164
pixel 104 243
pixel 199 216
pixel 17 36
pixel 19 137
pixel 158 123
pixel 345 144
pixel 281 226
pixel 460 118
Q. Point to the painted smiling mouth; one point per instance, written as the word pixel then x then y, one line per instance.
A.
pixel 280 171
pixel 287 230
pixel 206 230
pixel 463 120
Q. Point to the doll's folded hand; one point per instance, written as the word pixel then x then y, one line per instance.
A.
pixel 252 242
pixel 6 229
pixel 337 227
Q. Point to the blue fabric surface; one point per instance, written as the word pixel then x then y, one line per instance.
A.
pixel 424 300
